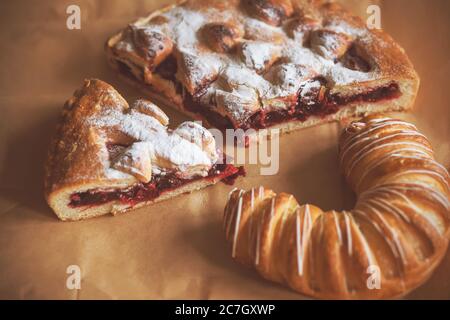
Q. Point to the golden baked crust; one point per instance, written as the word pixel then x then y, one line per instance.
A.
pixel 231 63
pixel 399 227
pixel 107 156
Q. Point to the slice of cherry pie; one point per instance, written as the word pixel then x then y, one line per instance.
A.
pixel 264 63
pixel 108 156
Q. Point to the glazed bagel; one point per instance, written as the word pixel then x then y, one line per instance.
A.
pixel 389 244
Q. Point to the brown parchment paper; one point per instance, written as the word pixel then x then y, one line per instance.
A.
pixel 175 249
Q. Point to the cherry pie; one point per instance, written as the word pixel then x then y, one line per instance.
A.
pixel 108 156
pixel 264 63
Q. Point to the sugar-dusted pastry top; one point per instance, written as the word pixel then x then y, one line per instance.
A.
pixel 102 138
pixel 243 56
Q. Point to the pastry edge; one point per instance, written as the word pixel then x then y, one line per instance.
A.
pixel 59 199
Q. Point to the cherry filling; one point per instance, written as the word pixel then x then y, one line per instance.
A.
pixel 323 102
pixel 227 173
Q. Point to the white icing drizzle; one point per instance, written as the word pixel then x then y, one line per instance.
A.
pixel 260 230
pixel 396 246
pixel 258 238
pixel 298 242
pixel 261 192
pixel 250 218
pixel 400 134
pixel 438 175
pixel 391 190
pixel 230 214
pixel 257 53
pixel 237 226
pixel 389 242
pixel 389 156
pixel 226 220
pixel 252 199
pixel 364 153
pixel 391 205
pixel 272 207
pixel 368 252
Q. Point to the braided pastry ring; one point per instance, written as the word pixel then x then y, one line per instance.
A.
pixel 399 226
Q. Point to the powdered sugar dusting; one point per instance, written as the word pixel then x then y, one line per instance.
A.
pixel 184 25
pixel 168 150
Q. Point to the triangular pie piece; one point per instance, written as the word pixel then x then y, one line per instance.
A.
pixel 338 68
pixel 110 157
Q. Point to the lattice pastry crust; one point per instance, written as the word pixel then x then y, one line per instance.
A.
pixel 398 230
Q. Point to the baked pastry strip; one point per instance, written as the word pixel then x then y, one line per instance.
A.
pixel 264 64
pixel 109 157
